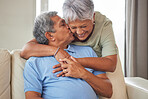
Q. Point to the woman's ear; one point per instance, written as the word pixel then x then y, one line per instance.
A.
pixel 49 36
pixel 94 17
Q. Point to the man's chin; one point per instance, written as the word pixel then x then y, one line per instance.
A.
pixel 70 40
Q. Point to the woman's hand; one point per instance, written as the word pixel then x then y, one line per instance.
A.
pixel 59 68
pixel 71 68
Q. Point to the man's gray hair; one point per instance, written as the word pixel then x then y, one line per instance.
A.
pixel 43 24
pixel 78 9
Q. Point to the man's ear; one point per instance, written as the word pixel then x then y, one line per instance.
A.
pixel 49 36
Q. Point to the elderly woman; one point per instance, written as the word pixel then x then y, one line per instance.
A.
pixel 90 29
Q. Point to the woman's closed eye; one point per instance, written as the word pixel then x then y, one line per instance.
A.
pixel 73 27
pixel 83 26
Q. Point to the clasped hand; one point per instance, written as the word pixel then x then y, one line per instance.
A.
pixel 70 67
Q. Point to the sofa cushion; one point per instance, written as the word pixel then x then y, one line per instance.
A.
pixel 118 83
pixel 17 82
pixel 4 74
pixel 137 86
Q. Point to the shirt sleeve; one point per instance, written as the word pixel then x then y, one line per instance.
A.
pixel 108 40
pixel 98 72
pixel 32 81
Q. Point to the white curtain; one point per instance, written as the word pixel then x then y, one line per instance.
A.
pixel 136 58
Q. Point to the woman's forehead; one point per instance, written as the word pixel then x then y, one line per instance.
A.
pixel 80 22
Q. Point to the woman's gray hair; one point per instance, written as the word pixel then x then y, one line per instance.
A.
pixel 78 9
pixel 43 24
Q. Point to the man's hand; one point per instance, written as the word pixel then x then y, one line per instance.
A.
pixel 71 68
pixel 61 54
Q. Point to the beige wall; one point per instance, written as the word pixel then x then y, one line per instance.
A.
pixel 16 22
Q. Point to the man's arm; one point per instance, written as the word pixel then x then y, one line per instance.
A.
pixel 32 95
pixel 99 83
pixel 32 81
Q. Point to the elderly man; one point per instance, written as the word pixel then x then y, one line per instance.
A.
pixel 79 82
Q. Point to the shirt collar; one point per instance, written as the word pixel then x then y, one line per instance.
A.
pixel 70 49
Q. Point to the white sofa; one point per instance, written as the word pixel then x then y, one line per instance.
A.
pixel 11 79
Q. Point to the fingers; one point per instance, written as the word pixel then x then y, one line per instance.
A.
pixel 67 75
pixel 57 70
pixel 56 66
pixel 60 67
pixel 61 74
pixel 64 66
pixel 65 71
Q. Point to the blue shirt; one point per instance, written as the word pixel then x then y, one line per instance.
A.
pixel 38 77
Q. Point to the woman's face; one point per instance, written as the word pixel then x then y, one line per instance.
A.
pixel 81 28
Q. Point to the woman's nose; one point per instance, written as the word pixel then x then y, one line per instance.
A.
pixel 79 31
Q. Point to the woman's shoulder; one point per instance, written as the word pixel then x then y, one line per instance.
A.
pixel 99 17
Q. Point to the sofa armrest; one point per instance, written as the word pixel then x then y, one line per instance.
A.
pixel 137 88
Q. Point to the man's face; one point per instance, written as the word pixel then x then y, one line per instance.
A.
pixel 62 33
